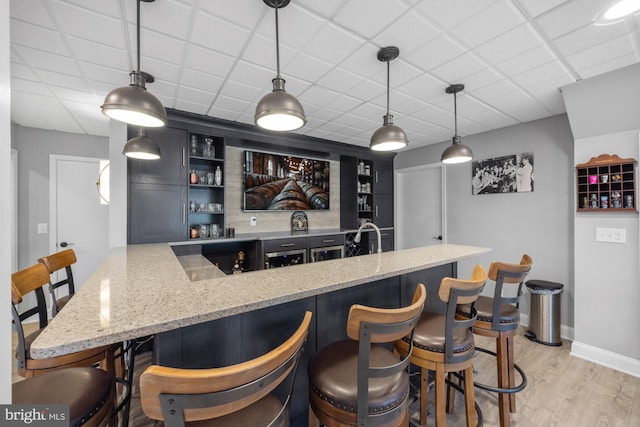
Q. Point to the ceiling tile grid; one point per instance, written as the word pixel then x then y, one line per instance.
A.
pixel 218 59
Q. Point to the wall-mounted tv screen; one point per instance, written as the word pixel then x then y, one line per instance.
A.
pixel 282 182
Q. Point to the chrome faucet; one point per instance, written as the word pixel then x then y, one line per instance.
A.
pixel 371 225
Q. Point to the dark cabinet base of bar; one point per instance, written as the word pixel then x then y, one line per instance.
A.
pixel 245 336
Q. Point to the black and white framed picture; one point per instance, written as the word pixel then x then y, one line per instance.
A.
pixel 507 174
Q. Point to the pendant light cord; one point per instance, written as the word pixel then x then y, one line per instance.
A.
pixel 277 4
pixel 138 36
pixel 388 67
pixel 455 113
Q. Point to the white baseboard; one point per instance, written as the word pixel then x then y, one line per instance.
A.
pixel 606 358
pixel 566 332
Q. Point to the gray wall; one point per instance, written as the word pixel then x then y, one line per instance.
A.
pixel 34 147
pixel 607 277
pixel 539 223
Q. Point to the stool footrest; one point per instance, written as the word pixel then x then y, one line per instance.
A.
pixel 494 389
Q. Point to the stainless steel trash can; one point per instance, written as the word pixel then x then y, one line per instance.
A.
pixel 544 312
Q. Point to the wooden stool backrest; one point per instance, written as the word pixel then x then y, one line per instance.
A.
pixel 227 389
pixel 501 273
pixel 360 313
pixel 58 261
pixel 477 281
pixel 370 325
pixel 455 292
pixel 525 265
pixel 30 279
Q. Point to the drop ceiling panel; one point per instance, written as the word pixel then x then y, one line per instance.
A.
pixel 88 24
pixel 490 22
pixel 525 61
pixel 447 14
pixel 244 13
pixel 537 7
pixel 100 54
pixel 39 59
pixel 333 43
pixel 408 32
pixel 33 12
pixel 569 16
pixel 208 61
pixel 218 58
pixel 602 53
pixel 436 52
pixel 35 37
pixel 511 43
pixel 587 37
pixel 368 17
pixel 219 35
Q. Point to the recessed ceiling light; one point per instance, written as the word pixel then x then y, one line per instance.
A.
pixel 617 12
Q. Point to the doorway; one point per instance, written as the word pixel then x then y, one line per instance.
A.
pixel 78 220
pixel 420 206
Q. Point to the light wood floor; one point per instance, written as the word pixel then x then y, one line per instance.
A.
pixel 562 390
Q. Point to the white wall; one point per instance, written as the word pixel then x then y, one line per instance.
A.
pixel 5 205
pixel 537 223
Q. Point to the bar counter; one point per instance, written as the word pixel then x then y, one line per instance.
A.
pixel 141 290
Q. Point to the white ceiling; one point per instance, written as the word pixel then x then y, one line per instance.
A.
pixel 217 58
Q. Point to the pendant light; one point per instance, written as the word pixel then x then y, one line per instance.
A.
pixel 141 147
pixel 133 104
pixel 279 110
pixel 457 152
pixel 389 137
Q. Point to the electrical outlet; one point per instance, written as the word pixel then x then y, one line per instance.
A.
pixel 611 235
pixel 43 228
pixel 254 221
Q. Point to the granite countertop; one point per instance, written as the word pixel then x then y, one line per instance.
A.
pixel 142 290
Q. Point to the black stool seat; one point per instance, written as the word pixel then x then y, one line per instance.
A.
pixel 429 334
pixel 484 305
pixel 334 370
pixel 87 391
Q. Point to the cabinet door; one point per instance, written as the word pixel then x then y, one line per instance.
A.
pixel 383 177
pixel 348 192
pixel 157 213
pixel 386 238
pixel 171 168
pixel 383 210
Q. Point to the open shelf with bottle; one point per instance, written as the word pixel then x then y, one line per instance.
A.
pixel 365 191
pixel 606 183
pixel 206 187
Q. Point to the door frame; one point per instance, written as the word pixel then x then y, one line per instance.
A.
pixel 53 195
pixel 443 194
pixel 14 210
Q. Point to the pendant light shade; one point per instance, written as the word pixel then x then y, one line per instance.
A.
pixel 133 104
pixel 141 147
pixel 279 110
pixel 389 137
pixel 457 152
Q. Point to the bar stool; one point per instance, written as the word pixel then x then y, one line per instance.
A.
pixel 254 393
pixel 88 392
pixel 33 279
pixel 499 317
pixel 124 355
pixel 360 382
pixel 444 344
pixel 56 262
